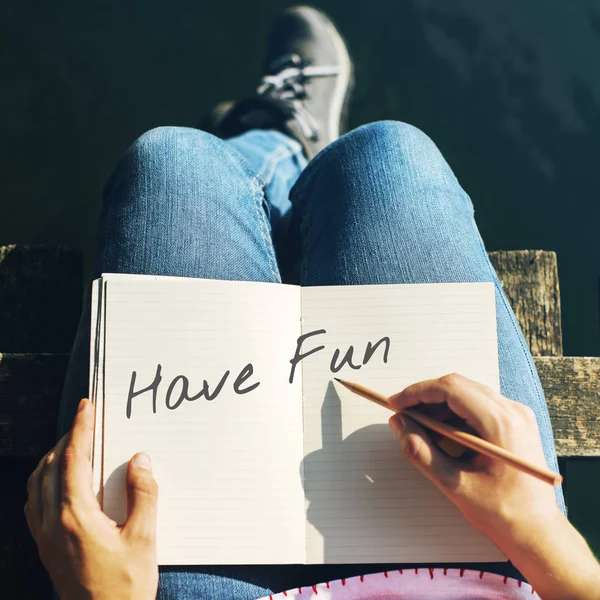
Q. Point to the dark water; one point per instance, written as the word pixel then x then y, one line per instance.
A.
pixel 509 90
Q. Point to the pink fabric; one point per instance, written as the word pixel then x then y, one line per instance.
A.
pixel 416 584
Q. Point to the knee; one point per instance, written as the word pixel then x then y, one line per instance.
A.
pixel 163 145
pixel 386 164
pixel 402 136
pixel 393 147
pixel 166 160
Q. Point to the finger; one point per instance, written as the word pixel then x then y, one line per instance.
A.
pixel 439 412
pixel 471 401
pixel 420 450
pixel 142 501
pixel 75 461
pixel 50 483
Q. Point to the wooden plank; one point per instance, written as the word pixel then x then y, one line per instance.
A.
pixel 572 388
pixel 530 282
pixel 40 298
pixel 30 390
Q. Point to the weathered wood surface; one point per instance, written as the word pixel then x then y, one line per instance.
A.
pixel 30 390
pixel 40 298
pixel 572 387
pixel 530 282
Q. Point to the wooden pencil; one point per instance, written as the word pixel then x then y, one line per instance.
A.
pixel 462 437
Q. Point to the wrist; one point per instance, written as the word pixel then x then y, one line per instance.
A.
pixel 525 531
pixel 511 528
pixel 553 556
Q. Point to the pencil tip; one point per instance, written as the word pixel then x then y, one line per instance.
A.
pixel 338 380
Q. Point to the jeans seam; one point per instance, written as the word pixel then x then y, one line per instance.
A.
pixel 547 423
pixel 271 161
pixel 239 161
pixel 538 389
pixel 515 326
pixel 257 185
pixel 263 225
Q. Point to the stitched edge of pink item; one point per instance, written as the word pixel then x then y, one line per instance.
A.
pixel 418 583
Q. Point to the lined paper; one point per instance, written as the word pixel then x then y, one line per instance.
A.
pixel 229 469
pixel 288 473
pixel 364 501
pixel 96 393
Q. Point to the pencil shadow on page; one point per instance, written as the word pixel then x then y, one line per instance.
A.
pixel 355 486
pixel 350 492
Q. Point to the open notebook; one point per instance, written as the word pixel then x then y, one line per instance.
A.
pixel 260 458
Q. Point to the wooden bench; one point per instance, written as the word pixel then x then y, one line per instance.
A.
pixel 40 302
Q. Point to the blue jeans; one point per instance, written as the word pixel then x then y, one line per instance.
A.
pixel 379 205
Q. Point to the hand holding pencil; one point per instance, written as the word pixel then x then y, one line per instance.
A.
pixel 462 439
pixel 491 493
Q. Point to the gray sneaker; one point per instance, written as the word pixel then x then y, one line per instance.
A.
pixel 306 87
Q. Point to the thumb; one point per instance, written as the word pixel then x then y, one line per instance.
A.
pixel 142 500
pixel 420 450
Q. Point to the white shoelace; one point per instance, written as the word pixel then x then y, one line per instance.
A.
pixel 288 86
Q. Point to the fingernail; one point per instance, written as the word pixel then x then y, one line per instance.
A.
pixel 82 404
pixel 142 461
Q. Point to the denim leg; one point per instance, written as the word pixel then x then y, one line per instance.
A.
pixel 182 202
pixel 381 205
pixel 278 160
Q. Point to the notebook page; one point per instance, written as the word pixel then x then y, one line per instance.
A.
pixel 94 324
pixel 95 381
pixel 229 468
pixel 364 501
